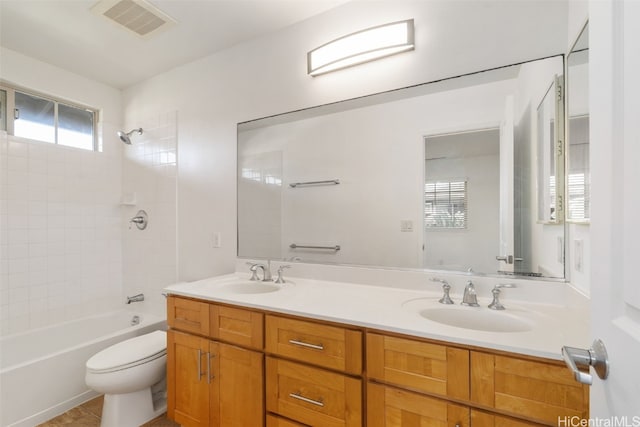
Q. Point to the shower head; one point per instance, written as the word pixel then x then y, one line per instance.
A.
pixel 126 137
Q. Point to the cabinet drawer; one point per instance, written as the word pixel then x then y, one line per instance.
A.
pixel 273 421
pixel 313 396
pixel 392 407
pixel 188 315
pixel 237 326
pixel 420 366
pixel 538 391
pixel 485 419
pixel 323 345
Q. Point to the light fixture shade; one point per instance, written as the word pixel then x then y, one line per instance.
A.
pixel 362 46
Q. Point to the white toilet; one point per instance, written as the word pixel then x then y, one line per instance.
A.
pixel 132 376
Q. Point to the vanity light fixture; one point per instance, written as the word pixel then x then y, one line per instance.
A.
pixel 362 46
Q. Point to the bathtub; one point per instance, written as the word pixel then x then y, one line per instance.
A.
pixel 42 371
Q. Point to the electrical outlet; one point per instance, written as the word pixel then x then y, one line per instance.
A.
pixel 406 225
pixel 560 250
pixel 578 254
pixel 216 240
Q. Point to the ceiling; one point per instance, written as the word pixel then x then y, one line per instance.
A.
pixel 65 33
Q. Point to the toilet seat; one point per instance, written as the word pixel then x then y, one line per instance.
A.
pixel 129 353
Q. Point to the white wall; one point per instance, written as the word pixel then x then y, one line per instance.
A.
pixel 60 248
pixel 268 76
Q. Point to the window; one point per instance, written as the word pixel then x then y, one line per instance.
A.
pixel 49 120
pixel 445 204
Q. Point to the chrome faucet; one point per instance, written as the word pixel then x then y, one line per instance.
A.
pixel 469 298
pixel 446 287
pixel 496 304
pixel 135 298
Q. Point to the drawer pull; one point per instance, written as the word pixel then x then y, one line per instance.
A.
pixel 305 344
pixel 306 399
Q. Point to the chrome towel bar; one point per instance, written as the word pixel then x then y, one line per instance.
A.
pixel 331 248
pixel 308 183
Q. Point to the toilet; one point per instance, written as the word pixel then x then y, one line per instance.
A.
pixel 132 376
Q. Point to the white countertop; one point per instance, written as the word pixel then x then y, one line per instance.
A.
pixel 397 310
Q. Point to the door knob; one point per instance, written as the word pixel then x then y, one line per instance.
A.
pixel 596 356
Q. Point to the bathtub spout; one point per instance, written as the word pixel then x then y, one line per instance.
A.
pixel 135 298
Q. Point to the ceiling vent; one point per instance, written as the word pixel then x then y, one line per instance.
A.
pixel 138 16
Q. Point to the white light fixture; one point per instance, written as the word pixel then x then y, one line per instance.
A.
pixel 362 46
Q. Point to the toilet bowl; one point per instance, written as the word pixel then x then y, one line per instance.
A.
pixel 131 374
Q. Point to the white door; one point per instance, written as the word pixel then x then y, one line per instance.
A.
pixel 614 88
pixel 506 246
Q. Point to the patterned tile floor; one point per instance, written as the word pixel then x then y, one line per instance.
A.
pixel 88 415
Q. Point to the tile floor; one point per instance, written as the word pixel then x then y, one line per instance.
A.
pixel 88 415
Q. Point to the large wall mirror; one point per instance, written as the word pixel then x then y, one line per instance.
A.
pixel 439 176
pixel 578 175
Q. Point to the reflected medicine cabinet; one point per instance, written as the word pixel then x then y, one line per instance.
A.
pixel 550 155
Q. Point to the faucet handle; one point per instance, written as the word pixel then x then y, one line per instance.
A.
pixel 280 279
pixel 446 287
pixel 496 304
pixel 254 271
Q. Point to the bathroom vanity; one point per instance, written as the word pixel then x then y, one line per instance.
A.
pixel 322 353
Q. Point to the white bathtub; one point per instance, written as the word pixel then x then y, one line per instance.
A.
pixel 42 371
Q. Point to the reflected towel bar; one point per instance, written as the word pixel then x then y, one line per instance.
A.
pixel 331 248
pixel 304 184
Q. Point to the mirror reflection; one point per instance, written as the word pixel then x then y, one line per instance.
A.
pixel 439 176
pixel 578 174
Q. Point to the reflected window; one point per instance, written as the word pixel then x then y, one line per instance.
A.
pixel 445 204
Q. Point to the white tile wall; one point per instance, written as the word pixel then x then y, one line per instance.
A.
pixel 60 248
pixel 149 178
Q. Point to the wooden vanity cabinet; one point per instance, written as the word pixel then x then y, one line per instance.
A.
pixel 213 383
pixel 533 389
pixel 393 407
pixel 235 367
pixel 313 372
pixel 419 366
pixel 465 386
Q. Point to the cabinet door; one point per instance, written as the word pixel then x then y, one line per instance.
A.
pixel 237 386
pixel 536 390
pixel 313 396
pixel 187 388
pixel 188 315
pixel 425 367
pixel 392 407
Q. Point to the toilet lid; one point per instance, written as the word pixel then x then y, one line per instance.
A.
pixel 131 352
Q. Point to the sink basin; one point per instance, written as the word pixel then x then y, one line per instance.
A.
pixel 476 319
pixel 251 288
